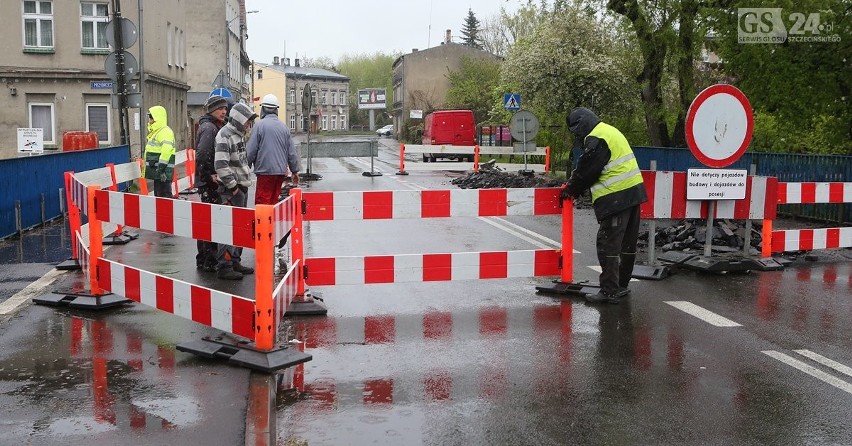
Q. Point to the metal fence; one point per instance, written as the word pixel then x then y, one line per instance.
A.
pixel 30 187
pixel 788 167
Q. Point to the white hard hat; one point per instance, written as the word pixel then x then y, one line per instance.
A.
pixel 270 100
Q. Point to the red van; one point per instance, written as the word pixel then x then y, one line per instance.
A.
pixel 450 128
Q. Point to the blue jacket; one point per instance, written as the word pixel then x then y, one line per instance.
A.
pixel 270 149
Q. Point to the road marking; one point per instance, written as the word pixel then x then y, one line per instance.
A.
pixel 516 233
pixel 825 361
pixel 553 243
pixel 701 313
pixel 30 291
pixel 810 370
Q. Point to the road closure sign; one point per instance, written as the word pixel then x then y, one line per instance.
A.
pixel 715 184
pixel 719 125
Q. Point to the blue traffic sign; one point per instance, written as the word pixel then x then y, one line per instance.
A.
pixel 224 92
pixel 512 101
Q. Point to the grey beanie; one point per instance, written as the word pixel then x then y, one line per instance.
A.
pixel 214 102
pixel 241 114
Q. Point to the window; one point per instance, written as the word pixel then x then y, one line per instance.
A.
pixel 342 97
pixel 93 22
pixel 334 122
pixel 260 74
pixel 169 42
pixel 38 24
pixel 98 121
pixel 313 96
pixel 342 122
pixel 292 122
pixel 41 116
pixel 324 122
pixel 333 98
pixel 291 98
pixel 180 51
pixel 323 97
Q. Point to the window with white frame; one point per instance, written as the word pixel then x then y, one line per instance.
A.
pixel 38 24
pixel 291 97
pixel 324 122
pixel 333 98
pixel 342 122
pixel 334 122
pixel 98 121
pixel 323 97
pixel 180 50
pixel 170 38
pixel 93 21
pixel 41 116
pixel 292 122
pixel 342 97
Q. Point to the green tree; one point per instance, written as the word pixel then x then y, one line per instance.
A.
pixel 368 71
pixel 470 31
pixel 473 86
pixel 801 92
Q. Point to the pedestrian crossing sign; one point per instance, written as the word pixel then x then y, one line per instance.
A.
pixel 512 101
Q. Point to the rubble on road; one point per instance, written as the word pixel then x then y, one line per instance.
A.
pixel 727 236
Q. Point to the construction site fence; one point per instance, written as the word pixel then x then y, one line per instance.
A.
pixel 31 188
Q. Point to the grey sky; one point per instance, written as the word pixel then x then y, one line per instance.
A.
pixel 332 28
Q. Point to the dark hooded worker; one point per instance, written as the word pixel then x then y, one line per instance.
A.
pixel 160 152
pixel 609 168
pixel 205 175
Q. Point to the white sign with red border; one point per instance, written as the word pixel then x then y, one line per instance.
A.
pixel 719 125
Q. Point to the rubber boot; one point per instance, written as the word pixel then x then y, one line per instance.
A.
pixel 228 274
pixel 625 272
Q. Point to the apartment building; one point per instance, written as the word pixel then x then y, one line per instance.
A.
pixel 329 91
pixel 52 69
pixel 419 77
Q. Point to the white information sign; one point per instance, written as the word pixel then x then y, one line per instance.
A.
pixel 415 114
pixel 30 140
pixel 716 184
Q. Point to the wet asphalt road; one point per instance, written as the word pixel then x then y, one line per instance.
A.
pixel 758 358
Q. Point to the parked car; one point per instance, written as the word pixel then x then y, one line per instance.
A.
pixel 385 131
pixel 451 128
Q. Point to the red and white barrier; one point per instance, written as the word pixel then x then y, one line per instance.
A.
pixel 667 199
pixel 201 221
pixel 359 270
pixel 430 203
pixel 810 239
pixel 808 193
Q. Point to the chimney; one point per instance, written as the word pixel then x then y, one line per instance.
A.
pixel 275 60
pixel 414 50
pixel 449 37
pixel 286 61
pixel 298 62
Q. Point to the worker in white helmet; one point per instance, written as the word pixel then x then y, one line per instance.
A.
pixel 271 152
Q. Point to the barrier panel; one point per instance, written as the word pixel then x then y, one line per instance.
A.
pixel 254 319
pixel 476 151
pixel 369 205
pixel 810 239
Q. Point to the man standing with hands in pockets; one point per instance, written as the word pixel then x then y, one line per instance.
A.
pixel 271 152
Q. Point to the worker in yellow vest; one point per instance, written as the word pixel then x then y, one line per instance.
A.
pixel 160 152
pixel 609 168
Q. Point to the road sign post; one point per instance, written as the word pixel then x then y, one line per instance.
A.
pixel 524 127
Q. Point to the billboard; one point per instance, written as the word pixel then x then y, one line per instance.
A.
pixel 372 98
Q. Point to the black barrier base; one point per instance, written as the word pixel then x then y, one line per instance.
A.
pixel 650 272
pixel 69 265
pixel 526 172
pixel 720 264
pixel 581 289
pixel 308 176
pixel 371 174
pixel 85 301
pixel 244 355
pixel 768 264
pixel 676 257
pixel 308 307
pixel 402 172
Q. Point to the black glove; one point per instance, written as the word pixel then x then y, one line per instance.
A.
pixel 161 173
pixel 568 191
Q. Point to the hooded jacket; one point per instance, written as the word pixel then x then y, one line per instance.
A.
pixel 160 149
pixel 607 166
pixel 205 150
pixel 270 148
pixel 230 157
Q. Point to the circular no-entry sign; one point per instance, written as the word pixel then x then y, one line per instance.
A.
pixel 719 124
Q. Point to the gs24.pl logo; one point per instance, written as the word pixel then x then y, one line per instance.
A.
pixel 772 25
